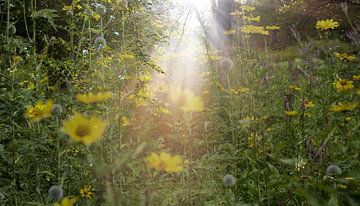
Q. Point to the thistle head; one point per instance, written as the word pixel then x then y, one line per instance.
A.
pixel 229 180
pixel 55 193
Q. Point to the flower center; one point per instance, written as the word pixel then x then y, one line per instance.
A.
pixel 343 83
pixel 83 130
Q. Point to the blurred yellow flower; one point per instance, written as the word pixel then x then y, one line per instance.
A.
pixel 86 130
pixel 345 57
pixel 309 104
pixel 247 8
pixel 327 24
pixel 67 201
pixel 343 85
pixel 291 113
pixel 358 92
pixel 356 77
pixel 186 99
pixel 86 192
pixel 39 111
pixel 67 8
pixel 229 32
pixel 272 27
pixel 306 114
pixel 91 98
pixel 254 19
pixel 240 90
pixel 165 162
pixel 125 121
pixel 294 88
pixel 343 106
pixel 251 29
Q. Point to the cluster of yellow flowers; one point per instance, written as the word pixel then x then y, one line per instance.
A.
pixel 79 128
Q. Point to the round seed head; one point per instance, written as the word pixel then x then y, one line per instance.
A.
pixel 333 170
pixel 226 64
pixel 2 196
pixel 57 109
pixel 65 85
pixel 101 9
pixel 55 193
pixel 12 29
pixel 229 180
pixel 100 42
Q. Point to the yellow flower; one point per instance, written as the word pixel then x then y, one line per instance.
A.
pixel 345 57
pixel 86 130
pixel 247 8
pixel 251 29
pixel 39 111
pixel 254 19
pixel 230 32
pixel 240 90
pixel 294 88
pixel 67 8
pixel 343 106
pixel 165 162
pixel 356 77
pixel 67 201
pixel 291 113
pixel 358 92
pixel 343 85
pixel 309 104
pixel 124 121
pixel 327 24
pixel 86 192
pixel 91 98
pixel 273 27
pixel 186 100
pixel 306 114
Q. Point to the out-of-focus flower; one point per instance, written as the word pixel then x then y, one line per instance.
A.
pixel 356 77
pixel 91 98
pixel 327 24
pixel 86 192
pixel 272 27
pixel 125 121
pixel 226 64
pixel 67 201
pixel 343 106
pixel 39 111
pixel 165 162
pixel 251 29
pixel 294 88
pixel 358 92
pixel 86 130
pixel 186 99
pixel 345 57
pixel 343 85
pixel 309 104
pixel 247 8
pixel 230 32
pixel 291 113
pixel 254 19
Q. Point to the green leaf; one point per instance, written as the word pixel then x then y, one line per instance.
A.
pixel 48 14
